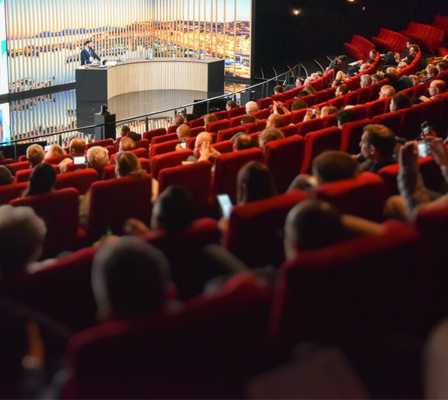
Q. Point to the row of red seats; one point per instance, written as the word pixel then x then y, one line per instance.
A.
pixel 430 37
pixel 359 47
pixel 390 40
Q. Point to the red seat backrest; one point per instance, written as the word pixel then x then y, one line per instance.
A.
pixel 163 138
pixel 168 160
pixel 348 275
pixel 165 147
pixel 262 114
pixel 102 143
pixel 60 211
pixel 224 147
pixel 377 107
pixel 196 122
pixel 351 135
pixel 255 246
pixel 234 112
pixel 284 159
pixel 132 199
pixel 155 132
pixel 318 142
pixel 17 166
pixel 363 196
pixel 309 126
pixel 81 180
pixel 392 120
pixel 218 125
pixel 9 192
pixel 195 177
pixel 227 167
pixel 24 175
pixel 228 133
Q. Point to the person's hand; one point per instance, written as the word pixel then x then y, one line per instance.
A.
pixel 205 151
pixel 438 151
pixel 408 156
pixel 135 227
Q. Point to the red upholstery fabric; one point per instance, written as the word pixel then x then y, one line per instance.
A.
pixel 196 122
pixel 103 143
pixel 132 199
pixel 258 126
pixel 363 196
pixel 227 167
pixel 297 116
pixel 221 114
pixel 9 192
pixel 289 130
pixel 81 180
pixel 284 159
pixel 392 120
pixel 351 135
pixel 163 138
pixel 390 40
pixel 195 177
pixel 218 125
pixel 17 166
pixel 428 36
pixel 60 211
pixel 165 147
pixel 224 147
pixel 262 114
pixel 168 160
pixel 349 276
pixel 236 121
pixel 433 221
pixel 170 129
pixel 153 133
pixel 264 103
pixel 234 112
pixel 377 107
pixel 140 152
pixel 255 246
pixel 145 164
pixel 226 134
pixel 309 126
pixel 23 175
pixel 222 333
pixel 318 142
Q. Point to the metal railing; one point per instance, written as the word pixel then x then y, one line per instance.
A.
pixel 162 118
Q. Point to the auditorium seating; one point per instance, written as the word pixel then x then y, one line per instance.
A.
pixel 284 159
pixel 359 47
pixel 10 192
pixel 390 40
pixel 255 229
pixel 195 177
pixel 167 160
pixel 60 211
pixel 227 167
pixel 131 199
pixel 428 36
pixel 81 180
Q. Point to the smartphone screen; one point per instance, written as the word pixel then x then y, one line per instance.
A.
pixel 183 145
pixel 79 160
pixel 423 149
pixel 226 205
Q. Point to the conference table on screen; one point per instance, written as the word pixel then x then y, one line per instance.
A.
pixel 95 83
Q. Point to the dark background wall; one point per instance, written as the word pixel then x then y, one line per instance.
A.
pixel 282 39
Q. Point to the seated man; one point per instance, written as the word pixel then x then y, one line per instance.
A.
pixel 243 141
pixel 378 146
pixel 126 132
pixel 399 102
pixel 268 135
pixel 330 166
pixel 183 133
pixel 129 280
pixel 436 88
pixel 35 154
pixel 341 90
pixel 275 121
pixel 386 91
pixel 345 116
pixel 247 119
pixel 303 228
pixel 98 158
pixel 252 107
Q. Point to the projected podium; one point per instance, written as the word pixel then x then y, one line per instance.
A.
pixel 99 84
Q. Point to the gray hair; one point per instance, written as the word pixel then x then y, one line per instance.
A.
pixel 97 157
pixel 22 235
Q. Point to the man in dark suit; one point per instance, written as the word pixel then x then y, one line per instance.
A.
pixel 88 54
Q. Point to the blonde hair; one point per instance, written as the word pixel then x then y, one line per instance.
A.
pixel 77 146
pixel 97 157
pixel 126 144
pixel 55 151
pixel 35 154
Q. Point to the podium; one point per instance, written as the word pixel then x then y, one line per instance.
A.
pixel 98 84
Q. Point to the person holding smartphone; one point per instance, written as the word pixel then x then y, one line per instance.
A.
pixel 183 133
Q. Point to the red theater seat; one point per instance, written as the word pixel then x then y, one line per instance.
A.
pixel 255 245
pixel 168 160
pixel 81 180
pixel 351 135
pixel 318 142
pixel 363 196
pixel 348 276
pixel 234 112
pixel 195 177
pixel 392 120
pixel 228 133
pixel 163 138
pixel 132 199
pixel 227 167
pixel 60 211
pixel 17 166
pixel 102 143
pixel 9 192
pixel 309 126
pixel 155 132
pixel 24 175
pixel 224 147
pixel 284 159
pixel 218 125
pixel 165 147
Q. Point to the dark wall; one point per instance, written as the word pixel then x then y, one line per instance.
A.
pixel 282 39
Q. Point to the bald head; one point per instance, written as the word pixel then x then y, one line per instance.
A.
pixel 183 131
pixel 437 87
pixel 251 107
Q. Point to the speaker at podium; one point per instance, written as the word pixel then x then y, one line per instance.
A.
pixel 108 120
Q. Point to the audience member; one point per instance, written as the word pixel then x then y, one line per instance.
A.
pixel 243 141
pixel 126 132
pixel 275 121
pixel 341 90
pixel 252 107
pixel 179 120
pixel 254 182
pixel 98 158
pixel 365 81
pixel 128 165
pixel 377 148
pixel 183 132
pixel 345 116
pixel 209 118
pixel 268 135
pixel 203 150
pixel 298 104
pixel 231 105
pixel 326 111
pixel 126 144
pixel 247 119
pixel 278 89
pixel 54 152
pixel 77 147
pixel 399 102
pixel 431 72
pixel 42 180
pixel 22 235
pixel 35 154
pixel 129 280
pixel 387 91
pixel 6 177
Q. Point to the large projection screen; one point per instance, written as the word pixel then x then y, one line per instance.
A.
pixel 45 37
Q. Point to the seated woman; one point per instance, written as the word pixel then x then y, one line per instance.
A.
pixel 54 152
pixel 203 150
pixel 42 180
